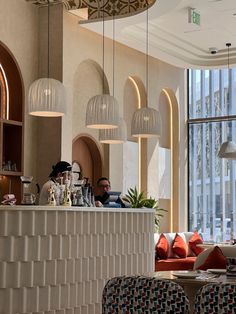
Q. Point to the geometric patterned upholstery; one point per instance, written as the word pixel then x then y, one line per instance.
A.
pixel 144 295
pixel 216 298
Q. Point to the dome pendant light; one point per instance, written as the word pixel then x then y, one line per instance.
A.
pixel 102 111
pixel 119 134
pixel 146 121
pixel 228 148
pixel 47 96
pixel 114 136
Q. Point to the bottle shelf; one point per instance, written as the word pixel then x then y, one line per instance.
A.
pixel 10 173
pixel 11 122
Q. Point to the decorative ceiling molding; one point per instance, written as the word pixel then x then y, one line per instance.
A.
pixel 96 8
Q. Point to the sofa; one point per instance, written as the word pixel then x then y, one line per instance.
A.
pixel 176 251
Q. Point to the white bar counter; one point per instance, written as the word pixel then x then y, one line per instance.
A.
pixel 56 260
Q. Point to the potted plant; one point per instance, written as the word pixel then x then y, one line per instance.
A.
pixel 138 200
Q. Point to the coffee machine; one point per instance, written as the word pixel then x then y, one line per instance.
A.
pixel 28 197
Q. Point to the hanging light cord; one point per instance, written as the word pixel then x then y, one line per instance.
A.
pixel 113 50
pixel 103 49
pixel 48 35
pixel 228 45
pixel 147 58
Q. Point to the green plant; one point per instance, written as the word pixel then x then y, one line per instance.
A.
pixel 138 200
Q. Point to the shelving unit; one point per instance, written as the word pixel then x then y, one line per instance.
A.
pixel 11 126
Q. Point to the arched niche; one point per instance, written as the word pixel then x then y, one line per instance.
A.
pixel 134 98
pixel 169 147
pixel 87 153
pixel 11 124
pixel 15 85
pixel 88 82
pixel 165 114
pixel 135 150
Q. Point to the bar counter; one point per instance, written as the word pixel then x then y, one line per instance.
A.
pixel 56 260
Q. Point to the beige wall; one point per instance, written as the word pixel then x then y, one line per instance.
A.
pixel 19 32
pixel 81 81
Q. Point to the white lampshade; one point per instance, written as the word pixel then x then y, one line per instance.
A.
pixel 114 136
pixel 102 112
pixel 47 98
pixel 146 123
pixel 227 150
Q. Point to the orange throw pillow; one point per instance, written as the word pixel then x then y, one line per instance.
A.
pixel 162 247
pixel 179 246
pixel 215 259
pixel 194 240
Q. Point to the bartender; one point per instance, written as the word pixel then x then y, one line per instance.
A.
pixel 58 175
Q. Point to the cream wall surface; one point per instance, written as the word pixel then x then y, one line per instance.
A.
pixel 81 45
pixel 19 33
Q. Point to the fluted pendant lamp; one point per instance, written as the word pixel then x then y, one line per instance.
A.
pixel 114 136
pixel 146 121
pixel 102 111
pixel 228 148
pixel 47 96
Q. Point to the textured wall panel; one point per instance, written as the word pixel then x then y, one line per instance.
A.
pixel 58 261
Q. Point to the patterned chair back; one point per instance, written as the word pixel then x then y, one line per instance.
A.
pixel 139 294
pixel 217 298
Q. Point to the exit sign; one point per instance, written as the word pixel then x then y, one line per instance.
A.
pixel 194 17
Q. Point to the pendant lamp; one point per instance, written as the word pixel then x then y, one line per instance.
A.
pixel 146 121
pixel 228 148
pixel 116 135
pixel 47 96
pixel 102 111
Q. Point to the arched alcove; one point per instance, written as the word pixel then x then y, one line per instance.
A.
pixel 169 153
pixel 135 150
pixel 134 98
pixel 87 153
pixel 88 81
pixel 11 124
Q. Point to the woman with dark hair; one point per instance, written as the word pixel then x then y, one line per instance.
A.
pixel 58 175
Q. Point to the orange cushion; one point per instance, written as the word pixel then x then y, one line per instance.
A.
pixel 194 240
pixel 162 247
pixel 215 259
pixel 179 246
pixel 175 263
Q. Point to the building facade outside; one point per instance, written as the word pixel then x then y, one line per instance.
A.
pixel 212 194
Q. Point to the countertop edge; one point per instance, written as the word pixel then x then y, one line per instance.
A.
pixel 75 209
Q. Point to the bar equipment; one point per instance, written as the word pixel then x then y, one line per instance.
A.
pixel 28 197
pixel 51 197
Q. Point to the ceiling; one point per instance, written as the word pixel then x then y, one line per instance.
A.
pixel 173 39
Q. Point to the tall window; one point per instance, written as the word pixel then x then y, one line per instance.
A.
pixel 212 181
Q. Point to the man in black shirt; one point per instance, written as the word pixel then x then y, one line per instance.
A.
pixel 103 186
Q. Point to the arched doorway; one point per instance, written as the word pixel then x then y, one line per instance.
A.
pixel 87 153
